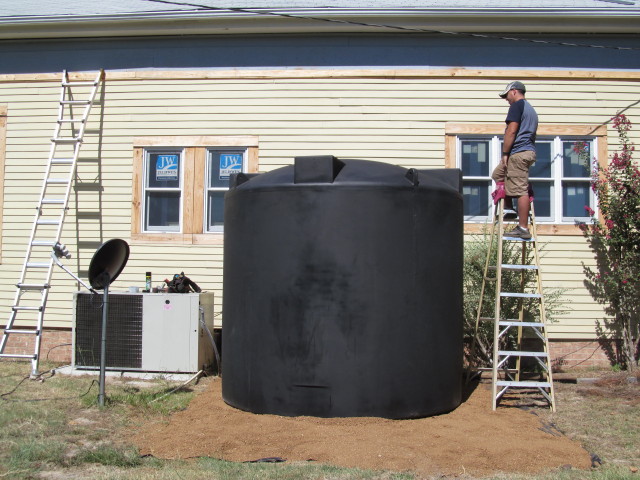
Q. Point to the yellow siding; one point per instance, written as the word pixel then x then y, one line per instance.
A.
pixel 384 117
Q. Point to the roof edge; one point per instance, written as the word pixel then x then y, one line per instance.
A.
pixel 273 21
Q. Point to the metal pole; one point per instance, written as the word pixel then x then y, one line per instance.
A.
pixel 103 343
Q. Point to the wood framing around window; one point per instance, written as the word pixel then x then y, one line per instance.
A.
pixel 194 162
pixel 3 145
pixel 454 130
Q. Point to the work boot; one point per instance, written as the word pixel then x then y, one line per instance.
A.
pixel 519 232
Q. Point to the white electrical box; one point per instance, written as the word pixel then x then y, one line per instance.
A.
pixel 150 332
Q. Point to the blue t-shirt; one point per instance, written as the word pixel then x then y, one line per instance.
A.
pixel 523 113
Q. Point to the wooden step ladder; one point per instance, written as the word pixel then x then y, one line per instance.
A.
pixel 33 286
pixel 505 362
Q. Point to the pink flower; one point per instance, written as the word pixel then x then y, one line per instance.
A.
pixel 579 148
pixel 589 210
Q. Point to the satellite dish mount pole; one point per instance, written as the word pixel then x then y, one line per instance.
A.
pixel 106 280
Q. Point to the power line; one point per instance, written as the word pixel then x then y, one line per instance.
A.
pixel 392 27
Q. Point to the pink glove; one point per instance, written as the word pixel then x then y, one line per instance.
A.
pixel 499 193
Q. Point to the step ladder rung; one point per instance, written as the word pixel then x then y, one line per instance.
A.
pixel 517 353
pixel 518 267
pixel 53 201
pixel 71 120
pixel 37 265
pixel 75 102
pixel 489 369
pixel 65 140
pixel 18 308
pixel 48 222
pixel 508 323
pixel 43 243
pixel 520 295
pixel 62 161
pixel 500 321
pixel 523 384
pixel 17 355
pixel 506 266
pixel 518 239
pixel 79 83
pixel 33 286
pixel 58 181
pixel 21 332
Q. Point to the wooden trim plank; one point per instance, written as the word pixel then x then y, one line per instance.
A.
pixel 303 73
pixel 136 200
pixel 198 200
pixel 188 175
pixel 452 128
pixel 253 160
pixel 3 148
pixel 542 228
pixel 196 141
pixel 450 151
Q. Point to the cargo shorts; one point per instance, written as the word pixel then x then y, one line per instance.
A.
pixel 516 174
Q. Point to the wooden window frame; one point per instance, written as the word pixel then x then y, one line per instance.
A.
pixel 194 164
pixel 455 130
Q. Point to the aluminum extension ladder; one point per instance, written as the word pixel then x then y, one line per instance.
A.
pixel 33 286
pixel 505 375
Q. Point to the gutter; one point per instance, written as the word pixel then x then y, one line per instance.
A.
pixel 325 20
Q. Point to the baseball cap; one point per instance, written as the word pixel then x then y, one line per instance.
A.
pixel 517 85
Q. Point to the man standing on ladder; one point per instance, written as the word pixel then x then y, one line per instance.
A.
pixel 518 154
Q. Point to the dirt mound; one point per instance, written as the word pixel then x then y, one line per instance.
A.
pixel 472 439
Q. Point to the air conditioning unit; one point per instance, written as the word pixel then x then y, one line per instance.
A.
pixel 149 332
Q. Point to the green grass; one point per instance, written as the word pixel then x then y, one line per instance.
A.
pixel 55 427
pixel 604 417
pixel 161 399
pixel 124 457
pixel 213 469
pixel 605 473
pixel 56 423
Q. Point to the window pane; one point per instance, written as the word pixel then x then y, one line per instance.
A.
pixel 215 210
pixel 542 198
pixel 576 164
pixel 163 170
pixel 475 158
pixel 222 164
pixel 162 211
pixel 542 167
pixel 575 196
pixel 476 198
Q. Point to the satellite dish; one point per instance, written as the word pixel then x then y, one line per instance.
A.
pixel 107 263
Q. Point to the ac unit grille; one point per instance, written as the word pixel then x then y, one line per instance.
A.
pixel 124 331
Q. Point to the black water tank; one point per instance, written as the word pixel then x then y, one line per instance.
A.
pixel 343 290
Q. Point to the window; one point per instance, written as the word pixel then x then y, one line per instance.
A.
pixel 162 190
pixel 560 177
pixel 220 165
pixel 180 182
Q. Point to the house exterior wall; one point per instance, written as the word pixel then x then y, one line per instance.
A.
pixel 397 115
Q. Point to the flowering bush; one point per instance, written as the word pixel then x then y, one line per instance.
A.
pixel 614 237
